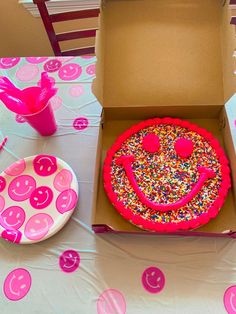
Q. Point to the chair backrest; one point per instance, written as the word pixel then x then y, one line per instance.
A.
pixel 49 19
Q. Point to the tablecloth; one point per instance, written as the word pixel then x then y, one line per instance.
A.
pixel 114 274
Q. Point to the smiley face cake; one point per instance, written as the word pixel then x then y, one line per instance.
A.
pixel 166 175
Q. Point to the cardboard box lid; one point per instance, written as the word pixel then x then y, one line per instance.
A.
pixel 161 53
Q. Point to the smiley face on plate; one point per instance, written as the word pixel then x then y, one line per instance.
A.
pixel 166 175
pixel 2 183
pixel 41 197
pixel 16 169
pixel 45 165
pixel 13 236
pixel 63 180
pixel 12 218
pixel 66 201
pixel 21 188
pixel 38 226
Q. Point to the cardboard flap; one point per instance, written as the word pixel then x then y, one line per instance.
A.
pixel 160 53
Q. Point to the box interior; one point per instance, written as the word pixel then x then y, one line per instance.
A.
pixel 162 58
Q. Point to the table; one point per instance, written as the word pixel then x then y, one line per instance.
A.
pixel 194 272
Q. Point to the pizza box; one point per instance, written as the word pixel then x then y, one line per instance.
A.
pixel 157 59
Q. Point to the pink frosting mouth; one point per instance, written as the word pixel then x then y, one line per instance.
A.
pixel 205 174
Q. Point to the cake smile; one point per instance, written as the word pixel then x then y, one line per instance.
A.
pixel 204 174
pixel 166 175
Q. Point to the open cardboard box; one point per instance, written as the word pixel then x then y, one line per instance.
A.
pixel 164 58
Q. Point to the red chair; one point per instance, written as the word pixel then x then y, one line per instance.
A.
pixel 54 38
pixel 232 4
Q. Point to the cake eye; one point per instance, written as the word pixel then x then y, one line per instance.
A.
pixel 184 147
pixel 151 143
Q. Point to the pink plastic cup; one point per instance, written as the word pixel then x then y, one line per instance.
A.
pixel 43 121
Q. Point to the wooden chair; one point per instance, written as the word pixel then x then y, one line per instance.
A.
pixel 54 38
pixel 232 4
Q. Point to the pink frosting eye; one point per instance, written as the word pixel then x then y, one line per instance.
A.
pixel 151 143
pixel 184 147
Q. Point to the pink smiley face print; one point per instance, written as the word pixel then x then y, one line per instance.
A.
pixel 36 60
pixel 45 165
pixel 56 102
pixel 38 226
pixel 17 284
pixel 12 218
pixel 27 72
pixel 16 169
pixel 70 72
pixel 111 301
pixel 19 119
pixel 66 201
pixel 153 279
pixel 41 197
pixel 63 180
pixel 90 70
pixel 52 65
pixel 2 183
pixel 7 63
pixel 80 123
pixel 2 203
pixel 13 236
pixel 76 91
pixel 230 300
pixel 69 261
pixel 21 188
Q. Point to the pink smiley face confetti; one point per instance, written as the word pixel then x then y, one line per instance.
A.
pixel 2 203
pixel 70 72
pixel 66 201
pixel 166 175
pixel 16 169
pixel 230 300
pixel 56 102
pixel 7 63
pixel 111 301
pixel 13 236
pixel 76 91
pixel 91 69
pixel 27 72
pixel 12 218
pixel 36 60
pixel 19 119
pixel 17 284
pixel 52 65
pixel 69 261
pixel 80 123
pixel 2 183
pixel 38 226
pixel 63 180
pixel 41 197
pixel 153 280
pixel 21 188
pixel 45 165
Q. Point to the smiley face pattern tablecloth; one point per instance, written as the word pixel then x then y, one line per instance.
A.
pixel 76 271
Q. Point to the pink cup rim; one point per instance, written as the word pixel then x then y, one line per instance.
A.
pixel 35 113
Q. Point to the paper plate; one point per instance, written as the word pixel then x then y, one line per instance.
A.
pixel 38 195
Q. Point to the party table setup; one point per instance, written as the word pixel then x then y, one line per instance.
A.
pixel 117 172
pixel 51 260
